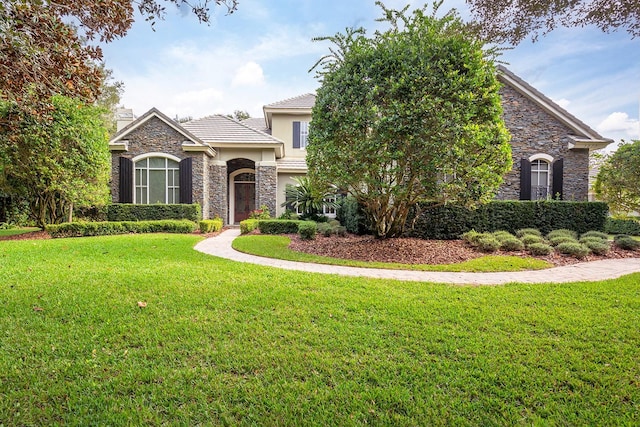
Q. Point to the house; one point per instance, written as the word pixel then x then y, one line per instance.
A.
pixel 231 168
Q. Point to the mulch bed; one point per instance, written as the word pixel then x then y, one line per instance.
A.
pixel 418 251
pixel 33 235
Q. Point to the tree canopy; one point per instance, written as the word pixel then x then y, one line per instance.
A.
pixel 55 163
pixel 512 21
pixel 46 46
pixel 410 114
pixel 618 181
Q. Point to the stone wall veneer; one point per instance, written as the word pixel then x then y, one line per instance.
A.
pixel 266 187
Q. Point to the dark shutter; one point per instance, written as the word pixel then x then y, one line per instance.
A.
pixel 126 180
pixel 525 179
pixel 557 177
pixel 296 134
pixel 186 181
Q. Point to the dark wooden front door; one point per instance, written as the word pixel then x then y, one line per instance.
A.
pixel 244 200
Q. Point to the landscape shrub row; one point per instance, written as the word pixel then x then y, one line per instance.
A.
pixel 450 222
pixel 131 212
pixel 248 225
pixel 210 225
pixel 279 226
pixel 81 229
pixel 630 226
pixel 563 241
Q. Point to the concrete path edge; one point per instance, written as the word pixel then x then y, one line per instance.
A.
pixel 220 246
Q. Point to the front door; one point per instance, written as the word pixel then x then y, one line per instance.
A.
pixel 244 200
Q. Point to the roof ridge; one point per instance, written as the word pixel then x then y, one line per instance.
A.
pixel 283 101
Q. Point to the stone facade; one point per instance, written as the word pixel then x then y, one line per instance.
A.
pixel 218 183
pixel 154 136
pixel 534 131
pixel 266 187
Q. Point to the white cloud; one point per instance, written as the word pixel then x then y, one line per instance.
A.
pixel 620 122
pixel 249 74
pixel 563 102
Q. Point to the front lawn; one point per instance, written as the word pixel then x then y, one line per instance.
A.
pixel 226 343
pixel 274 246
pixel 18 230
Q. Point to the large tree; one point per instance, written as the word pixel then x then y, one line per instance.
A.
pixel 618 181
pixel 512 21
pixel 55 159
pixel 48 47
pixel 410 114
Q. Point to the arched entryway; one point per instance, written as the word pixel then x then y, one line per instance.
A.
pixel 242 189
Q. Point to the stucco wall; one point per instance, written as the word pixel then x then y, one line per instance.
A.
pixel 535 131
pixel 282 128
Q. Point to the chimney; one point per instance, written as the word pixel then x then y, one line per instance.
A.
pixel 124 116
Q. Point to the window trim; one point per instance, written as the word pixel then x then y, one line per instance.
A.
pixel 173 188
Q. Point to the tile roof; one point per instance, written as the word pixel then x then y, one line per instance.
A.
pixel 293 164
pixel 303 101
pixel 222 129
pixel 257 123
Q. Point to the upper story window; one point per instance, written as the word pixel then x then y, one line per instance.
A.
pixel 540 179
pixel 300 134
pixel 156 180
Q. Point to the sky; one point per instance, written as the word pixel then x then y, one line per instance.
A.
pixel 262 54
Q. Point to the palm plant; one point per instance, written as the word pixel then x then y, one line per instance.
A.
pixel 308 198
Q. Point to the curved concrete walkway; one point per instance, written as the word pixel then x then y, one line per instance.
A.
pixel 220 246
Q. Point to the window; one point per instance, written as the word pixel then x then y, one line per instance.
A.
pixel 329 210
pixel 304 134
pixel 157 180
pixel 539 179
pixel 300 134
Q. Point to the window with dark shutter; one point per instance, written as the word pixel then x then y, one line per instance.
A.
pixel 186 181
pixel 557 177
pixel 296 134
pixel 525 179
pixel 126 180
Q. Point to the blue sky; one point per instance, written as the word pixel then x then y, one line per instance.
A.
pixel 262 54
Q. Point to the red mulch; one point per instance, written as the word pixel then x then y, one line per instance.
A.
pixel 418 251
pixel 33 235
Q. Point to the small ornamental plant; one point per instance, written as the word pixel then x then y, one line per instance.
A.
pixel 539 249
pixel 528 232
pixel 625 242
pixel 575 249
pixel 532 239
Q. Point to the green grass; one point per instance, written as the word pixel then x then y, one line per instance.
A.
pixel 278 247
pixel 223 343
pixel 15 231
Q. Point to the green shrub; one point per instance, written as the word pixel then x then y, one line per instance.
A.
pixel 334 223
pixel 625 242
pixel 629 226
pixel 597 234
pixel 488 243
pixel 350 214
pixel 132 212
pixel 528 232
pixel 532 239
pixel 596 245
pixel 575 249
pixel 511 244
pixel 449 222
pixel 325 229
pixel 562 232
pixel 502 235
pixel 81 229
pixel 539 249
pixel 90 213
pixel 307 230
pixel 472 237
pixel 278 226
pixel 248 225
pixel 341 231
pixel 558 240
pixel 288 214
pixel 210 225
pixel 262 213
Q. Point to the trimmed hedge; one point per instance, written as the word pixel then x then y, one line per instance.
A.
pixel 82 229
pixel 248 225
pixel 449 222
pixel 627 226
pixel 307 230
pixel 279 226
pixel 210 225
pixel 131 212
